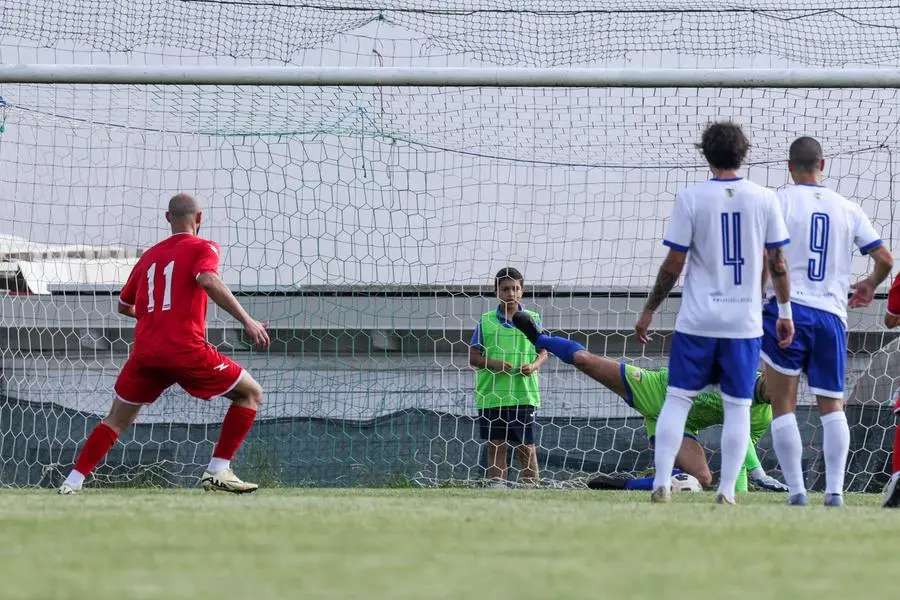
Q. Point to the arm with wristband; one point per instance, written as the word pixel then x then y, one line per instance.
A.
pixel 776 238
pixel 777 267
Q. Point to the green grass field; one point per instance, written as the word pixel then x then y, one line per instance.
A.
pixel 454 544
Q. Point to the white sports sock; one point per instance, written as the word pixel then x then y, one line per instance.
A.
pixel 218 464
pixel 789 450
pixel 835 447
pixel 735 438
pixel 75 480
pixel 669 431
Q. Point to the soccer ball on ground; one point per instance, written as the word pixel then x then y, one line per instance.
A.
pixel 685 483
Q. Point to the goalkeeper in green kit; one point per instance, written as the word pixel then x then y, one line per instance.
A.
pixel 645 391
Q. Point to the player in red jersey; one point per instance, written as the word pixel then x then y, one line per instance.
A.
pixel 167 293
pixel 891 320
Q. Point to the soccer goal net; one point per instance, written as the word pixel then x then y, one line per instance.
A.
pixel 365 223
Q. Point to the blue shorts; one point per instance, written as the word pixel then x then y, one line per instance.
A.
pixel 696 361
pixel 819 348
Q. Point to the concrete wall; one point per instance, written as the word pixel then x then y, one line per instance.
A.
pixel 361 357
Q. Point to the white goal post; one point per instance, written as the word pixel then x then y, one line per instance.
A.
pixel 451 77
pixel 363 211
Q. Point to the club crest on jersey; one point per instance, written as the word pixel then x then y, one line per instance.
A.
pixel 637 374
pixel 729 192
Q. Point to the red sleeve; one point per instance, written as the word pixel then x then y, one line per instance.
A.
pixel 207 259
pixel 129 293
pixel 893 303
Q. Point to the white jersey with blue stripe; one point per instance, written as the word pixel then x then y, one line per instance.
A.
pixel 825 227
pixel 724 225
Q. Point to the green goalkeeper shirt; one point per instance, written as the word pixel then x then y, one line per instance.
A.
pixel 646 392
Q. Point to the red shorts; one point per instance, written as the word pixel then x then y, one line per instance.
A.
pixel 203 374
pixel 897 407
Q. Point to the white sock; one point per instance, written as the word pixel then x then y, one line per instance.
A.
pixel 735 438
pixel 218 464
pixel 75 480
pixel 789 450
pixel 669 431
pixel 835 447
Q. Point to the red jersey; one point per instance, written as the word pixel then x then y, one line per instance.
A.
pixel 893 303
pixel 169 305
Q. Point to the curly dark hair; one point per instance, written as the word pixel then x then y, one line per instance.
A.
pixel 724 145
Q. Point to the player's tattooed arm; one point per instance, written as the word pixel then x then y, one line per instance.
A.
pixel 666 279
pixel 778 272
pixel 776 262
pixel 765 275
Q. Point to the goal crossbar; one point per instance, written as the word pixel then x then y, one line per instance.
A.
pixel 449 76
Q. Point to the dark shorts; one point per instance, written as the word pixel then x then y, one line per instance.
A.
pixel 513 424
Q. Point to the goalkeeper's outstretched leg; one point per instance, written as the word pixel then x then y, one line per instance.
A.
pixel 612 374
pixel 603 370
pixel 645 391
pixel 691 457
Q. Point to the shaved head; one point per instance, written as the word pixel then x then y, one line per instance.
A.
pixel 184 214
pixel 806 154
pixel 183 205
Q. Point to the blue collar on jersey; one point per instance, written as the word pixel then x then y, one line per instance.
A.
pixel 731 179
